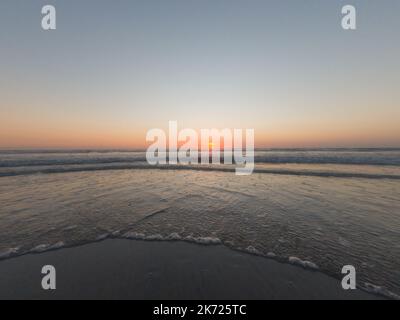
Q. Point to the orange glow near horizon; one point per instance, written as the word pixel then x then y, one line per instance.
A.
pixel 59 137
pixel 22 128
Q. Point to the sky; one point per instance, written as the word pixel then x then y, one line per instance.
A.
pixel 112 70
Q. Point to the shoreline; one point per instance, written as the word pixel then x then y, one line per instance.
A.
pixel 137 269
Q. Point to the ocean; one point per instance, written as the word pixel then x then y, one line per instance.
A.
pixel 320 209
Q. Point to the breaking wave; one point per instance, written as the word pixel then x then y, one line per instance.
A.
pixel 28 158
pixel 220 168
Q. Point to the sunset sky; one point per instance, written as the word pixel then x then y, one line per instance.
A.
pixel 114 69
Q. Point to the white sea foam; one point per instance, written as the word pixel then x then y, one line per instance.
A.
pixel 171 237
pixel 47 247
pixel 57 245
pixel 134 235
pixel 304 263
pixel 253 250
pixel 102 236
pixel 203 240
pixel 40 248
pixel 380 291
pixel 155 237
pixel 8 252
pixel 174 236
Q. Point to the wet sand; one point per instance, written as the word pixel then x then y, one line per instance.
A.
pixel 129 269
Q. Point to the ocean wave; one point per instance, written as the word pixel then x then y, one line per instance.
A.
pixel 171 237
pixel 303 263
pixel 16 251
pixel 31 158
pixel 47 247
pixel 7 253
pixel 252 250
pixel 102 237
pixel 221 168
pixel 203 240
pixel 379 290
pixel 65 162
